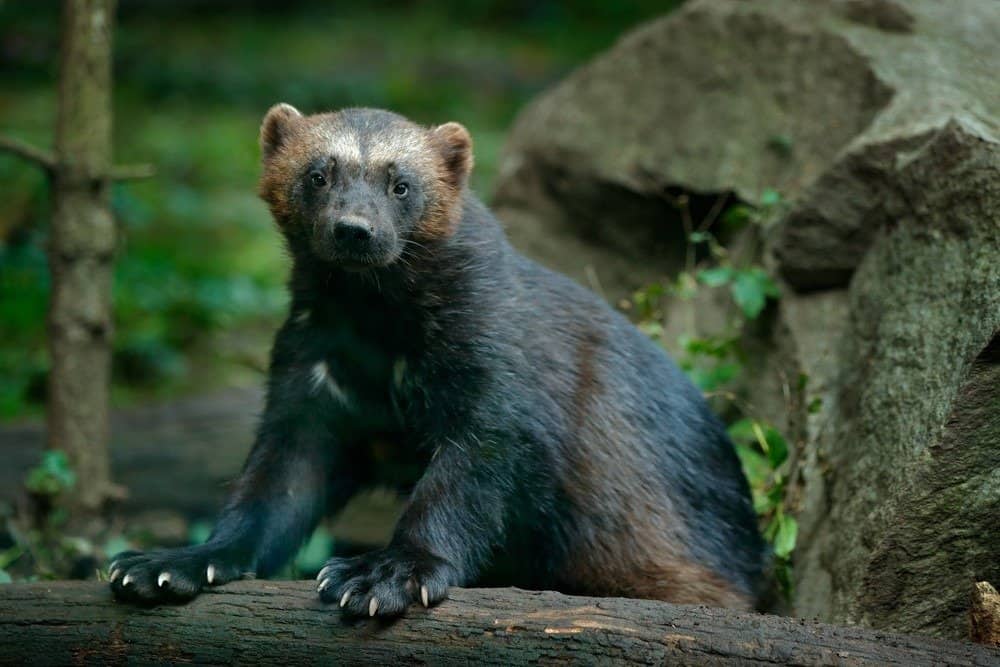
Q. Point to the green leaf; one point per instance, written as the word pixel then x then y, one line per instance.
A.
pixel 685 286
pixel 748 296
pixel 762 502
pixel 52 476
pixel 787 533
pixel 738 215
pixel 741 431
pixel 777 446
pixel 58 517
pixel 776 495
pixel 755 466
pixel 713 377
pixel 648 296
pixel 815 405
pixel 751 288
pixel 699 237
pixel 10 555
pixel 771 530
pixel 651 328
pixel 770 197
pixel 5 577
pixel 716 276
pixel 718 347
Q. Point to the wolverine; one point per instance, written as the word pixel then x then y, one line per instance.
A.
pixel 559 447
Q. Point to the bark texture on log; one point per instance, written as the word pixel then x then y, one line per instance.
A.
pixel 81 250
pixel 263 622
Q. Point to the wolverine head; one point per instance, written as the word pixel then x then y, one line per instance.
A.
pixel 356 186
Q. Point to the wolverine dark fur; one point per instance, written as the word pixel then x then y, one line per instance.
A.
pixel 555 438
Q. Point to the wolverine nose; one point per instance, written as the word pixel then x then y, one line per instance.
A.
pixel 352 231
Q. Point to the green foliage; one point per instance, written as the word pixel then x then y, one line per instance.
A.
pixel 53 476
pixel 199 532
pixel 770 198
pixel 9 556
pixel 315 552
pixel 751 288
pixel 41 548
pixel 717 276
pixel 41 536
pixel 783 536
pixel 714 361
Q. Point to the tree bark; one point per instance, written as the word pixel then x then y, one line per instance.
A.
pixel 264 622
pixel 81 250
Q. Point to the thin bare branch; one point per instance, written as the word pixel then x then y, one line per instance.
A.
pixel 132 172
pixel 43 158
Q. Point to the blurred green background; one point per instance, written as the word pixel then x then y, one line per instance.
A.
pixel 199 275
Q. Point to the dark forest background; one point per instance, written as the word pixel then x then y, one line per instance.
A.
pixel 198 279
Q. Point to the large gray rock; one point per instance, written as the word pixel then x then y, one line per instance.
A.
pixel 904 485
pixel 879 122
pixel 719 97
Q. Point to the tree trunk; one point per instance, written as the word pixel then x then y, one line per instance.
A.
pixel 264 622
pixel 81 250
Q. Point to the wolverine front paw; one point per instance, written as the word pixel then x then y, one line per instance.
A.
pixel 385 582
pixel 169 575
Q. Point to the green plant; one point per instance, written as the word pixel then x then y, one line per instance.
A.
pixel 52 476
pixel 42 548
pixel 714 361
pixel 763 451
pixel 8 557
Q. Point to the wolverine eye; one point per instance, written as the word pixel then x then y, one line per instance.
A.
pixel 317 179
pixel 401 190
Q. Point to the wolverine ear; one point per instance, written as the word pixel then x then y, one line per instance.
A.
pixel 276 126
pixel 455 145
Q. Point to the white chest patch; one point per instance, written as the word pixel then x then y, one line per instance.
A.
pixel 322 380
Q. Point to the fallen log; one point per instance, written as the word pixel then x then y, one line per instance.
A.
pixel 179 455
pixel 283 622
